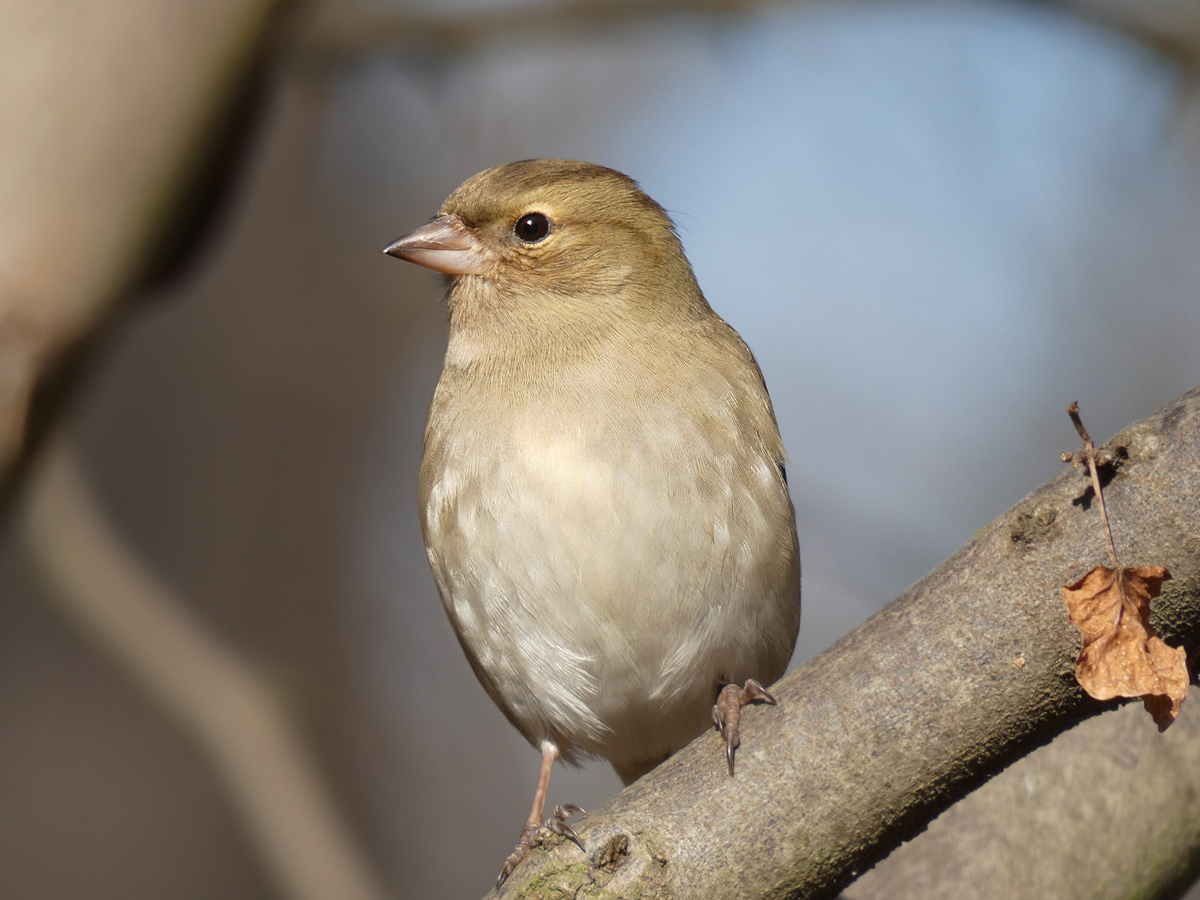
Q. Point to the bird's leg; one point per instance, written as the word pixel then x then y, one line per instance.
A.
pixel 557 823
pixel 728 709
pixel 534 822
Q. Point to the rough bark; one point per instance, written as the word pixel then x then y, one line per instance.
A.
pixel 1108 811
pixel 968 670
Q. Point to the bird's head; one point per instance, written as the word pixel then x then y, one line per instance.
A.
pixel 556 238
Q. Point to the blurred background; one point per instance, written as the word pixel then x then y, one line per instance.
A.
pixel 935 223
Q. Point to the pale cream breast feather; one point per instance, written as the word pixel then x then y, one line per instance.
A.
pixel 591 523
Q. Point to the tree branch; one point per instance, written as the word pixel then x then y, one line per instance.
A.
pixel 343 29
pixel 109 139
pixel 965 672
pixel 1105 812
pixel 223 706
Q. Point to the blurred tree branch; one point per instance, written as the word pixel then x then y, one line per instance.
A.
pixel 111 112
pixel 345 28
pixel 198 682
pixel 1171 25
pixel 964 673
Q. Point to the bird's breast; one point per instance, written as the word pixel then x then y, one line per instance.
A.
pixel 606 556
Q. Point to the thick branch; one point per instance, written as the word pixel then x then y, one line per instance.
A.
pixel 1105 812
pixel 965 672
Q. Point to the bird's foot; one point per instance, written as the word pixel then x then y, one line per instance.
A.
pixel 728 709
pixel 533 834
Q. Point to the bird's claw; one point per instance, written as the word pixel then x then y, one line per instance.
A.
pixel 557 824
pixel 728 709
pixel 733 740
pixel 519 853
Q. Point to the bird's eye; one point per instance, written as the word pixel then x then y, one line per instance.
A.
pixel 531 227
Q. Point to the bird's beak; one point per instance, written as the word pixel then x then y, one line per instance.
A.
pixel 443 244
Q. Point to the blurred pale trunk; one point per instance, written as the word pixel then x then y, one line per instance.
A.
pixel 109 110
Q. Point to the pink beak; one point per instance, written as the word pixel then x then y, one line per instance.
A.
pixel 443 244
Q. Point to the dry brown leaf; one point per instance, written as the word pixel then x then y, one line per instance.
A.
pixel 1121 657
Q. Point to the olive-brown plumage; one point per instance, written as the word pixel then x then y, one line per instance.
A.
pixel 602 491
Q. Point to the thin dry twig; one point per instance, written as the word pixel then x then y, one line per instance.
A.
pixel 1089 457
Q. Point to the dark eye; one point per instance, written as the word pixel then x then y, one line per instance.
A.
pixel 531 227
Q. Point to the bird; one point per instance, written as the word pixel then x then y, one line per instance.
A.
pixel 602 492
